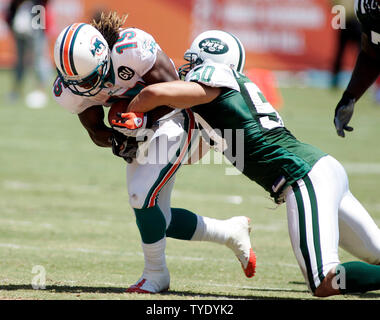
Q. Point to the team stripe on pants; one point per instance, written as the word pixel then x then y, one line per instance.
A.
pixel 174 164
pixel 309 235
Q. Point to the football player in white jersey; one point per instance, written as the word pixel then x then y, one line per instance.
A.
pixel 322 212
pixel 101 63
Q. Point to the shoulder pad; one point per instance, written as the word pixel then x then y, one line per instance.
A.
pixel 214 75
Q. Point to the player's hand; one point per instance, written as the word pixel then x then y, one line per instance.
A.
pixel 124 147
pixel 343 114
pixel 130 123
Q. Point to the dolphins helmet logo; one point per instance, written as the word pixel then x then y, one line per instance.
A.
pixel 97 46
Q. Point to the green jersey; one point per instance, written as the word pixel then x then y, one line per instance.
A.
pixel 272 156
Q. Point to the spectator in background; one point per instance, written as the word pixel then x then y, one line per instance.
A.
pixel 29 32
pixel 350 34
pixel 367 67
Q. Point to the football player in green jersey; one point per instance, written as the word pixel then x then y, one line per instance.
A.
pixel 367 68
pixel 322 212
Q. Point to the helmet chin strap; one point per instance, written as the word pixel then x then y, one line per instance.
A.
pixel 194 60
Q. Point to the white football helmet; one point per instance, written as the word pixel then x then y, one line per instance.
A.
pixel 82 58
pixel 217 45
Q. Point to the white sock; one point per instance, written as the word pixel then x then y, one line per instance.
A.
pixel 154 255
pixel 213 230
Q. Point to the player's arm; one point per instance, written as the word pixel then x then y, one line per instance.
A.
pixel 91 117
pixel 103 136
pixel 366 71
pixel 163 70
pixel 92 120
pixel 176 94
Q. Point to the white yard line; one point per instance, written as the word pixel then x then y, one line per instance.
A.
pixel 99 252
pixel 28 186
pixel 351 168
pixel 209 197
pixel 248 287
pixel 25 223
pixel 362 167
pixel 232 259
pixel 220 198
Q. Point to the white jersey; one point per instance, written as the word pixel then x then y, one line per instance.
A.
pixel 132 56
pixel 213 74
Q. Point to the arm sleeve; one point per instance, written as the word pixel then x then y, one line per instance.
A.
pixel 365 73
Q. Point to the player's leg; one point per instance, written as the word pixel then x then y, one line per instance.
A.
pixel 360 236
pixel 149 177
pixel 186 225
pixel 233 232
pixel 180 223
pixel 315 234
pixel 312 209
pixel 155 276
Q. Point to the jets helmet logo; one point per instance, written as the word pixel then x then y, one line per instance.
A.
pixel 97 46
pixel 213 46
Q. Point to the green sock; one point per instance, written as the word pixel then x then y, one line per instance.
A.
pixel 358 277
pixel 182 225
pixel 151 223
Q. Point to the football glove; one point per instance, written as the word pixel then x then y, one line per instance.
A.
pixel 131 123
pixel 124 147
pixel 343 114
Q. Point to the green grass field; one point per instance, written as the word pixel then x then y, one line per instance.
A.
pixel 64 206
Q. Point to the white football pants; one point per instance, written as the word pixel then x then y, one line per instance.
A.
pixel 151 176
pixel 322 215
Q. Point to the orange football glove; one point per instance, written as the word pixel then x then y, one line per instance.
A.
pixel 129 123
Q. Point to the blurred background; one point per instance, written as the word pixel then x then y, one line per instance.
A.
pixel 290 42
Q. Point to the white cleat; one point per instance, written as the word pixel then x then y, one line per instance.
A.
pixel 240 243
pixel 151 282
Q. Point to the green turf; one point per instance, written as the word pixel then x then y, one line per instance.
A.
pixel 64 206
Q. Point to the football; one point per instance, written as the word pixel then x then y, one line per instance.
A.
pixel 119 106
